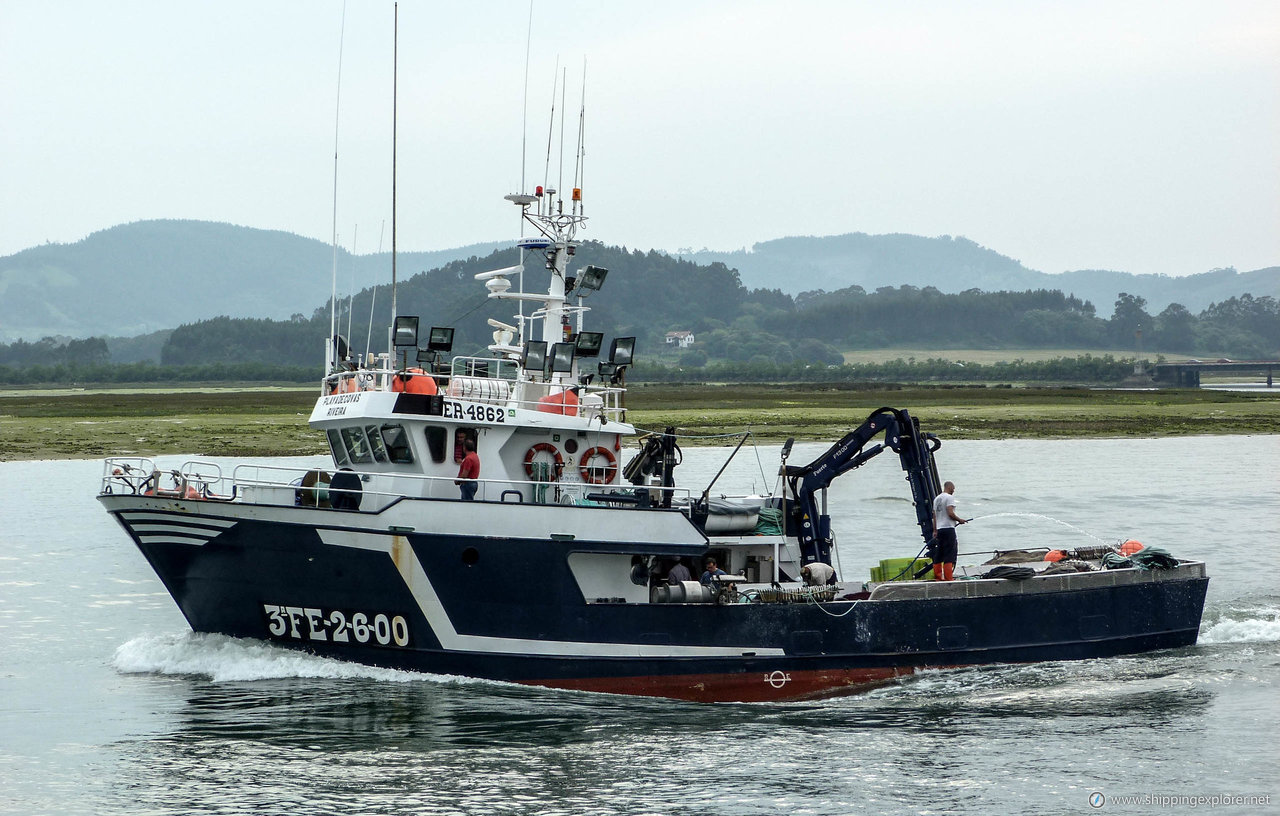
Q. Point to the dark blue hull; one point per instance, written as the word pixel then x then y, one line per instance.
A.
pixel 512 609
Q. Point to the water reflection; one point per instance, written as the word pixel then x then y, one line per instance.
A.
pixel 355 715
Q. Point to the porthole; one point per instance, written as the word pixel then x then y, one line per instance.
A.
pixel 470 556
pixel 571 445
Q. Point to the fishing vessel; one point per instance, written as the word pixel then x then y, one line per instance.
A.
pixel 574 566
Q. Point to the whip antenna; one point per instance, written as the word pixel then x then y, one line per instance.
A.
pixel 579 160
pixel 395 70
pixel 560 180
pixel 524 153
pixel 351 294
pixel 368 340
pixel 331 349
pixel 524 114
pixel 551 127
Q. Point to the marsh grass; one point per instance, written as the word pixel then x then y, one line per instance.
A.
pixel 273 422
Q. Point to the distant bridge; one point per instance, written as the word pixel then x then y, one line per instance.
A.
pixel 1186 373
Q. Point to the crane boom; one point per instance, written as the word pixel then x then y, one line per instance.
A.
pixel 902 435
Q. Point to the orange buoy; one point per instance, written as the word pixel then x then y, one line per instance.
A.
pixel 1130 547
pixel 414 381
pixel 1055 555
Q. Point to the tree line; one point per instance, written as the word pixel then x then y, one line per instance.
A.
pixel 1084 369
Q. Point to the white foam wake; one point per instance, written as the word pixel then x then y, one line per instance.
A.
pixel 225 659
pixel 1258 625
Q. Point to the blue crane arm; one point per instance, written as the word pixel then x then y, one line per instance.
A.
pixel 901 435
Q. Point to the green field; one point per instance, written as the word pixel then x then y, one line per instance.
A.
pixel 272 422
pixel 989 356
pixel 809 412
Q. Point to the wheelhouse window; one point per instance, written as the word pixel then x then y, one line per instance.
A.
pixel 338 450
pixel 375 443
pixel 397 442
pixel 357 446
pixel 437 442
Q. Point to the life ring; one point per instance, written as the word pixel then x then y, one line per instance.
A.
pixel 543 447
pixel 592 475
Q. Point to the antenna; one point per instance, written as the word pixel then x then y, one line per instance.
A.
pixel 524 115
pixel 395 97
pixel 351 294
pixel 579 161
pixel 551 128
pixel 368 340
pixel 330 351
pixel 560 180
pixel 524 152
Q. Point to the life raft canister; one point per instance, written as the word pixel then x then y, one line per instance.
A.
pixel 598 474
pixel 543 447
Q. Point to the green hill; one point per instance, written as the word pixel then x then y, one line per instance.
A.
pixel 954 264
pixel 153 275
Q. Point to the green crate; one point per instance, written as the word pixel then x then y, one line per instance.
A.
pixel 908 567
pixel 890 567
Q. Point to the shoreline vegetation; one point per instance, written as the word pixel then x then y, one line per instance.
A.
pixel 256 421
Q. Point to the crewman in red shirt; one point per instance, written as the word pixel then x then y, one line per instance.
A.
pixel 469 471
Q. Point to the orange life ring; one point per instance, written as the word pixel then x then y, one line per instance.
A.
pixel 591 475
pixel 544 447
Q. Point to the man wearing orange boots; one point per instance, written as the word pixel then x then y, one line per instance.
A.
pixel 945 522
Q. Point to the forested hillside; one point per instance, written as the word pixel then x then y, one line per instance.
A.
pixel 649 294
pixel 646 294
pixel 954 264
pixel 152 276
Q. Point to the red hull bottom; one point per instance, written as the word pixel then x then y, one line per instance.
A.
pixel 741 687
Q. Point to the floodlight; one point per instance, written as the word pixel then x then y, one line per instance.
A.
pixel 622 351
pixel 588 343
pixel 441 339
pixel 591 278
pixel 562 358
pixel 535 355
pixel 406 333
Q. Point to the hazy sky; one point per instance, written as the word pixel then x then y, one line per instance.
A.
pixel 1139 136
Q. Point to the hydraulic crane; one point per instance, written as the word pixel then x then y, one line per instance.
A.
pixel 902 435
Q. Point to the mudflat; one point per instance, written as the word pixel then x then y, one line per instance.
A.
pixel 220 421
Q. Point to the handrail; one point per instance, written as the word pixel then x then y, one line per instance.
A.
pixel 379 380
pixel 138 475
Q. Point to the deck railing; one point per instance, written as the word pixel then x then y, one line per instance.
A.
pixel 469 380
pixel 312 487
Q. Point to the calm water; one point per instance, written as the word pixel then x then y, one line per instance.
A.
pixel 108 704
